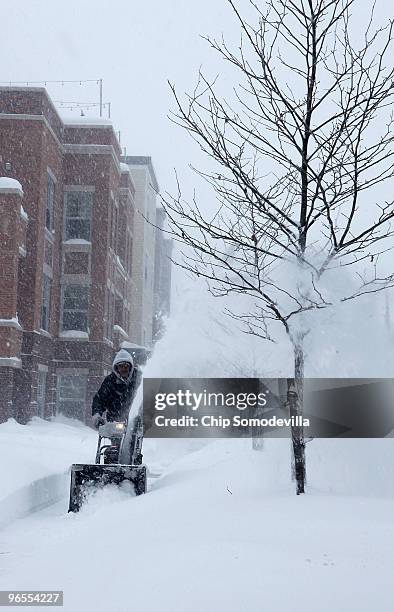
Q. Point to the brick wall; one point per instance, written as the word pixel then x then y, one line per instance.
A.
pixel 37 144
pixel 12 228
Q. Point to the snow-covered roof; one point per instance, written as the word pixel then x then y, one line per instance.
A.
pixel 10 185
pixel 87 122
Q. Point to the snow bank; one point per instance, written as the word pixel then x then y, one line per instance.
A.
pixel 36 458
pixel 351 467
pixel 41 448
pixel 221 530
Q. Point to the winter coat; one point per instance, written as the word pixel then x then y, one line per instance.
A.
pixel 116 394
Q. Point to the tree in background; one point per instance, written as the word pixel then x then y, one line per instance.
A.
pixel 300 146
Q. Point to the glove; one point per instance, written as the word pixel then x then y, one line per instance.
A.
pixel 97 420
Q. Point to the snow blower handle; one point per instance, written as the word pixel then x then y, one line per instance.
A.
pixel 97 420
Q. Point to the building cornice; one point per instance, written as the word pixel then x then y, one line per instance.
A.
pixel 93 149
pixel 27 117
pixel 135 161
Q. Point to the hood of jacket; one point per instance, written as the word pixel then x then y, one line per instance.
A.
pixel 120 356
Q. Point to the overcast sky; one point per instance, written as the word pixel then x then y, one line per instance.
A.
pixel 133 46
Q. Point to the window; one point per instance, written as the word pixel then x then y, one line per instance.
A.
pixel 46 302
pixel 122 235
pixel 75 307
pixel 126 325
pixel 50 203
pixel 115 224
pixel 48 253
pixel 78 215
pixel 71 395
pixel 118 311
pixel 109 315
pixel 41 386
pixel 129 253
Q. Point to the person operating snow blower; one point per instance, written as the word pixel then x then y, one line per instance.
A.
pixel 117 390
pixel 118 455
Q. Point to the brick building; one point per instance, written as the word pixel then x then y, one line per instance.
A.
pixel 66 256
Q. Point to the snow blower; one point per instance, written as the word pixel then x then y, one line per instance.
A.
pixel 117 441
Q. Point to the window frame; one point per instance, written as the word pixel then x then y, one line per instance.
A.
pixel 45 321
pixel 85 191
pixel 65 310
pixel 83 377
pixel 50 201
pixel 41 392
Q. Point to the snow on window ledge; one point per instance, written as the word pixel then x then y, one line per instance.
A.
pixel 131 345
pixel 46 333
pixel 24 214
pixel 10 323
pixel 74 334
pixel 22 251
pixel 120 265
pixel 121 331
pixel 77 241
pixel 10 185
pixel 11 362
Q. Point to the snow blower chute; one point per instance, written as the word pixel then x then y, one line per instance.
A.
pixel 118 459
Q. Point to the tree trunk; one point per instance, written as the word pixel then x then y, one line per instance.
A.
pixel 257 432
pixel 295 397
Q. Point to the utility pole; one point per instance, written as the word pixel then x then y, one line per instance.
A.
pixel 101 96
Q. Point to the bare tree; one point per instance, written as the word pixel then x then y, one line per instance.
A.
pixel 300 144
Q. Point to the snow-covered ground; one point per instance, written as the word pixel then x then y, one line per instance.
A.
pixel 221 529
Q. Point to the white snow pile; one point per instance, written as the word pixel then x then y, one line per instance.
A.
pixel 221 530
pixel 36 458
